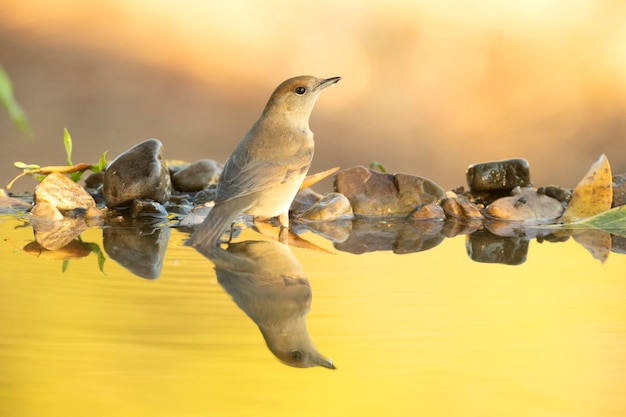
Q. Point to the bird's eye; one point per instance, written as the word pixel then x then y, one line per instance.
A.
pixel 296 355
pixel 300 90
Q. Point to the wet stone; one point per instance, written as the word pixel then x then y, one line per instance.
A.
pixel 498 175
pixel 460 208
pixel 196 176
pixel 619 190
pixel 559 193
pixel 138 173
pixel 482 246
pixel 333 206
pixel 94 181
pixel 62 193
pixel 147 208
pixel 304 200
pixel 374 194
pixel 429 212
pixel 399 236
pixel 526 205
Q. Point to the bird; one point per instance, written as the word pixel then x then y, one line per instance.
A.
pixel 267 282
pixel 265 170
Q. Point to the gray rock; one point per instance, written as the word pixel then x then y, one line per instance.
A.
pixel 140 172
pixel 147 208
pixel 376 194
pixel 619 190
pixel 333 206
pixel 526 205
pixel 62 193
pixel 498 175
pixel 197 176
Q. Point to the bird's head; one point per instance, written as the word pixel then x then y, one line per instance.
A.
pixel 297 96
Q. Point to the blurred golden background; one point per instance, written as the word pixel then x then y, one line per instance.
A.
pixel 428 87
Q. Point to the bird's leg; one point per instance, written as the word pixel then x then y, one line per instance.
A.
pixel 283 234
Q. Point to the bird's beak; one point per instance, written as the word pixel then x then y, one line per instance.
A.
pixel 328 82
pixel 322 361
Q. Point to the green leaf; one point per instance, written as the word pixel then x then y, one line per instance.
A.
pixel 67 141
pixel 29 167
pixel 102 163
pixel 94 248
pixel 66 264
pixel 17 115
pixel 377 165
pixel 613 221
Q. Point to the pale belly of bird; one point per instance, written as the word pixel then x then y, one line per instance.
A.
pixel 274 201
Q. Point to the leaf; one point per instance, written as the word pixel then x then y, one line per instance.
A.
pixel 22 165
pixel 597 242
pixel 102 163
pixel 17 115
pixel 94 248
pixel 613 221
pixel 67 142
pixel 377 165
pixel 593 194
pixel 66 264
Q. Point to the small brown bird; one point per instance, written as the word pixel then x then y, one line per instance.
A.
pixel 264 172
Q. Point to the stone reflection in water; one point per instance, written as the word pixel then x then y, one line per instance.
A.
pixel 138 247
pixel 397 235
pixel 483 246
pixel 268 283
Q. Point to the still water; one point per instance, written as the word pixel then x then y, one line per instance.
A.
pixel 430 333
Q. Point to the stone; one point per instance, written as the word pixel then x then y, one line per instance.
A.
pixel 397 235
pixel 460 208
pixel 62 193
pixel 140 172
pixel 527 205
pixel 197 176
pixel 498 175
pixel 303 201
pixel 95 180
pixel 147 208
pixel 482 246
pixel 429 212
pixel 559 193
pixel 333 206
pixel 619 190
pixel 374 194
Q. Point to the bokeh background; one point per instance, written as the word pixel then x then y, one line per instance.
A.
pixel 428 86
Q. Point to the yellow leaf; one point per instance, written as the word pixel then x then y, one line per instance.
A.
pixel 593 194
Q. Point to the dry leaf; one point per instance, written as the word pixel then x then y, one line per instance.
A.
pixel 593 194
pixel 597 242
pixel 309 180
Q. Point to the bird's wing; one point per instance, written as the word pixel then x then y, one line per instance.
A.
pixel 241 176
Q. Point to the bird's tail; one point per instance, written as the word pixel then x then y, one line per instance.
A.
pixel 208 235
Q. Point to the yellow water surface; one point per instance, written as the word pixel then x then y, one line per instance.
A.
pixel 424 334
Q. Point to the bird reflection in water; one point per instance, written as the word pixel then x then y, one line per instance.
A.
pixel 267 282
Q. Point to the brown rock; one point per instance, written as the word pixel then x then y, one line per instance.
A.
pixel 376 194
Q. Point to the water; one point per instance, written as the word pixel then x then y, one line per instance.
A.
pixel 429 333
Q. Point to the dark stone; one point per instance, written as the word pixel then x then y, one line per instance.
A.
pixel 498 175
pixel 147 208
pixel 140 248
pixel 619 190
pixel 138 173
pixel 196 176
pixel 559 193
pixel 376 194
pixel 483 246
